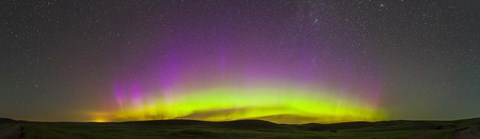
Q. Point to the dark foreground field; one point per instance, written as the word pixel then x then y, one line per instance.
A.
pixel 245 129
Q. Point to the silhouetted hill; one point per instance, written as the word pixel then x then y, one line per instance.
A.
pixel 175 122
pixel 246 129
pixel 252 125
pixel 7 120
pixel 238 124
pixel 335 126
pixel 381 125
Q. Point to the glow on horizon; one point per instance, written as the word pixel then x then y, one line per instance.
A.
pixel 219 77
pixel 281 104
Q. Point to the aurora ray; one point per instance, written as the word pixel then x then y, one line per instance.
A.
pixel 220 71
pixel 283 104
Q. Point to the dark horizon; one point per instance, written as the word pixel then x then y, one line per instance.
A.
pixel 3 119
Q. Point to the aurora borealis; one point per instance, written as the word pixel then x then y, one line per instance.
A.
pixel 216 60
pixel 219 74
pixel 220 104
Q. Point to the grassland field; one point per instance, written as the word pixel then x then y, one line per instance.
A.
pixel 242 129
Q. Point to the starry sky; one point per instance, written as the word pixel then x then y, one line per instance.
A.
pixel 287 61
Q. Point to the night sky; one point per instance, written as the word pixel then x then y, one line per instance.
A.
pixel 283 61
